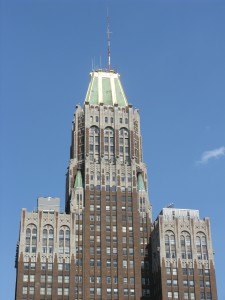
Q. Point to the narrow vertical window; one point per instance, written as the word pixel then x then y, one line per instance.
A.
pixel 94 143
pixel 124 145
pixel 109 144
pixel 31 238
pixel 170 244
pixel 201 246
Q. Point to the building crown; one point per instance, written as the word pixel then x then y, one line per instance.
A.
pixel 105 88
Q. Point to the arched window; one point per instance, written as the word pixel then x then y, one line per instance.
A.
pixel 48 239
pixel 31 238
pixel 185 242
pixel 64 240
pixel 170 244
pixel 201 246
pixel 124 145
pixel 94 143
pixel 109 144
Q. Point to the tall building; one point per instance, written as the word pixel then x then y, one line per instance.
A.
pixel 182 256
pixel 99 247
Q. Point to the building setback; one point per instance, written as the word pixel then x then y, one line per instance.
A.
pixel 182 256
pixel 105 246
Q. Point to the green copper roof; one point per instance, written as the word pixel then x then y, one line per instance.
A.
pixel 140 182
pixel 106 88
pixel 78 181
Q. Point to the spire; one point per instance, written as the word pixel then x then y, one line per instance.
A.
pixel 78 181
pixel 108 36
pixel 140 182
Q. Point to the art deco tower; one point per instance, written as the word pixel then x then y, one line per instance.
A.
pixel 99 247
pixel 107 191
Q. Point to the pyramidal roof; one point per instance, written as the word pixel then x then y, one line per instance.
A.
pixel 106 88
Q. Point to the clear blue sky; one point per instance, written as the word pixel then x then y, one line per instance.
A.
pixel 171 57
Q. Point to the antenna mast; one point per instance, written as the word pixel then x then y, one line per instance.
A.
pixel 108 34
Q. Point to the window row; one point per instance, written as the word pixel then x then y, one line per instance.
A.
pixel 109 188
pixel 47 239
pixel 110 291
pixel 108 119
pixel 185 244
pixel 112 198
pixel 32 266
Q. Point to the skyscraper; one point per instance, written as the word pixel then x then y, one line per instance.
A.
pixel 99 247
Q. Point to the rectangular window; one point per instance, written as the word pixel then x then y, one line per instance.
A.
pixel 25 278
pixel 66 279
pixel 125 292
pixel 200 272
pixel 99 291
pixel 190 271
pixel 169 282
pixel 24 290
pixel 115 291
pixel 32 266
pixel 115 263
pixel 191 283
pixel 114 250
pixel 124 264
pixel 132 280
pixel 42 290
pixel 131 264
pixel 124 251
pixel 26 266
pixel 174 271
pixel 66 291
pixel 92 262
pixel 207 283
pixel 207 272
pixel 175 282
pixel 59 291
pixel 60 267
pixel 31 290
pixel 49 291
pixel 98 263
pixel 175 295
